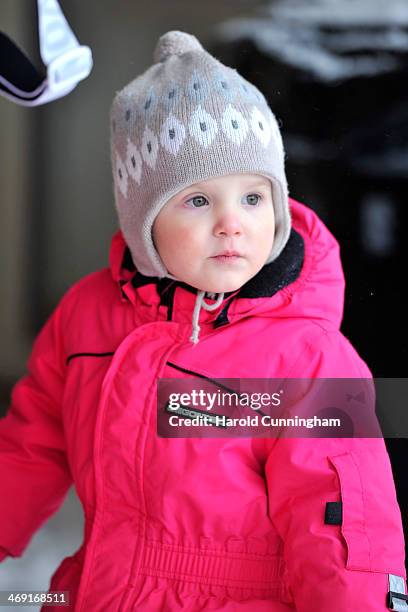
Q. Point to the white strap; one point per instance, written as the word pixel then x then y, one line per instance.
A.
pixel 66 61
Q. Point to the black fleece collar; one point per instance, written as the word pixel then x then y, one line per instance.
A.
pixel 270 279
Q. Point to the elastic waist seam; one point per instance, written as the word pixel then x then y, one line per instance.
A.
pixel 197 565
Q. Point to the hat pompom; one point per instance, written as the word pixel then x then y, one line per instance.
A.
pixel 175 43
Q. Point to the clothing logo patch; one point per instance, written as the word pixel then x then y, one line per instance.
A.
pixel 194 413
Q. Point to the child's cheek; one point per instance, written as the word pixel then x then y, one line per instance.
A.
pixel 189 238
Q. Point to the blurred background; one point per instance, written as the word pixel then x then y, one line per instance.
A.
pixel 334 73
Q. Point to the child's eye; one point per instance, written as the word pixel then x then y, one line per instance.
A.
pixel 253 198
pixel 198 201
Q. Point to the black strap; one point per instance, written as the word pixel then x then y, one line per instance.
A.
pixel 393 595
pixel 18 76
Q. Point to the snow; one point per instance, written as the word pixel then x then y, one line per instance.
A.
pixel 378 223
pixel 295 32
pixel 386 41
pixel 341 12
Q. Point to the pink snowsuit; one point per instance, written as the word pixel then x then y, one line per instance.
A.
pixel 198 524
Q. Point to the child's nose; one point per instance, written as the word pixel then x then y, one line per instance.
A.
pixel 228 222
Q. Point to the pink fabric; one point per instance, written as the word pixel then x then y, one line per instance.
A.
pixel 197 524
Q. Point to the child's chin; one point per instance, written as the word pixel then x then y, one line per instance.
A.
pixel 224 288
pixel 220 287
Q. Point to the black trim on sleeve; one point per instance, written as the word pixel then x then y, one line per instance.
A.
pixel 74 355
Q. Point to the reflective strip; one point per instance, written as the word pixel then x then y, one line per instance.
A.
pixel 397 585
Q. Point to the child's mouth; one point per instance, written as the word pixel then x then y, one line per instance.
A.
pixel 227 258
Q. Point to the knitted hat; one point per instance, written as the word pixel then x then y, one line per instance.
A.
pixel 186 119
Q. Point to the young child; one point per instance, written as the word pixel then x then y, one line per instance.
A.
pixel 217 274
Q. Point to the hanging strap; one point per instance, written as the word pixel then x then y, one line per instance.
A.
pixel 66 62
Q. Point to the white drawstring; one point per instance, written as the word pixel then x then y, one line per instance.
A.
pixel 200 302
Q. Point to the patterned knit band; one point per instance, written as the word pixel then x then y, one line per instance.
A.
pixel 187 119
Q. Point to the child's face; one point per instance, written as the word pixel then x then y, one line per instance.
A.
pixel 229 213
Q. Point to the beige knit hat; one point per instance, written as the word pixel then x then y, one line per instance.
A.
pixel 187 119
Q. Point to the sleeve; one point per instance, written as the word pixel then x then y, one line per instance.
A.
pixel 333 502
pixel 34 472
